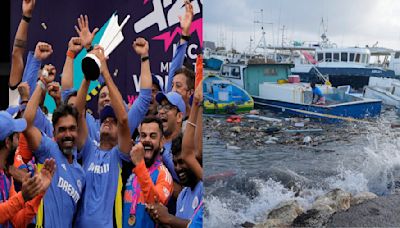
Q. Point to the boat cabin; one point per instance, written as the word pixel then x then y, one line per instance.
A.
pixel 250 76
pixel 344 55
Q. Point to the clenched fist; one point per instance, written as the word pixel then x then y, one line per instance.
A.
pixel 43 51
pixel 137 153
pixel 75 45
pixel 141 47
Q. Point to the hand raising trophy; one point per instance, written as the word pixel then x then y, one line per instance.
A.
pixel 111 39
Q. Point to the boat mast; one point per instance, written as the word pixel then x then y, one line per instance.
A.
pixel 262 44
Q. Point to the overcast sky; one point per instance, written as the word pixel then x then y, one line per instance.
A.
pixel 348 22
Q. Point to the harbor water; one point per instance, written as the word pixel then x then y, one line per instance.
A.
pixel 244 181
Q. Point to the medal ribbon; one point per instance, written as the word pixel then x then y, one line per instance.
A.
pixel 197 209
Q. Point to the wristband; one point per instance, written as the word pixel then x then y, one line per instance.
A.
pixel 23 102
pixel 89 49
pixel 26 19
pixel 199 104
pixel 145 58
pixel 186 38
pixel 42 85
pixel 71 54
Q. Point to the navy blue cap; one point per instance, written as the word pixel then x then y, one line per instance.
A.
pixel 107 111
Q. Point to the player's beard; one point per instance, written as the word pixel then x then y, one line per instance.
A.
pixel 156 152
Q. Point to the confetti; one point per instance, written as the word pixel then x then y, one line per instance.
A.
pixel 115 73
pixel 44 26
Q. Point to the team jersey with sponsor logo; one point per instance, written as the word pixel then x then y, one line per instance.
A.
pixel 158 183
pixel 188 200
pixel 102 176
pixel 64 193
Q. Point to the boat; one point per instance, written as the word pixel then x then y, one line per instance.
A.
pixel 270 86
pixel 295 99
pixel 340 66
pixel 214 56
pixel 223 97
pixel 386 90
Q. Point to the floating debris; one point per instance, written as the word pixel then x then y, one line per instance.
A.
pixel 230 147
pixel 307 140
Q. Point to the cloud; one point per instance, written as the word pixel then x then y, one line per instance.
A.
pixel 348 23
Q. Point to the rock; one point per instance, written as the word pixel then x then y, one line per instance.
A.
pixel 271 223
pixel 286 212
pixel 314 217
pixel 361 197
pixel 236 129
pixel 379 212
pixel 337 199
pixel 248 224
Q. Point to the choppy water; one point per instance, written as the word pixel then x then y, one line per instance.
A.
pixel 245 184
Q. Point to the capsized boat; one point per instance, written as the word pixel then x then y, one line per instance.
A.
pixel 223 97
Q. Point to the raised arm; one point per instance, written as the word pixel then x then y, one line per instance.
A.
pixel 186 22
pixel 20 43
pixel 177 60
pixel 55 92
pixel 74 47
pixel 31 133
pixel 117 103
pixel 141 105
pixel 188 146
pixel 85 40
pixel 80 105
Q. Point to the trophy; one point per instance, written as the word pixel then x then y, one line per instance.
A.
pixel 112 37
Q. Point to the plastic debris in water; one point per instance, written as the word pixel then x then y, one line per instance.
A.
pixel 44 26
pixel 307 140
pixel 115 73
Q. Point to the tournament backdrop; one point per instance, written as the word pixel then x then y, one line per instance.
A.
pixel 155 20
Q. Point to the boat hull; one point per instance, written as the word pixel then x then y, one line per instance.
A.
pixel 338 112
pixel 386 97
pixel 227 108
pixel 223 97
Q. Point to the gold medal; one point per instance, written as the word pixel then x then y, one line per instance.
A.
pixel 132 220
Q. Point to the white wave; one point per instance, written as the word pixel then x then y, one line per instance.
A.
pixel 234 210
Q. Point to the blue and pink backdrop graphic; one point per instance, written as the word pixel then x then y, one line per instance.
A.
pixel 155 20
